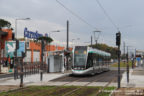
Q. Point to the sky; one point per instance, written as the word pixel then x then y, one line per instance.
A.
pixel 85 17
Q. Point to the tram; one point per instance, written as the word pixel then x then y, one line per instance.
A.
pixel 87 60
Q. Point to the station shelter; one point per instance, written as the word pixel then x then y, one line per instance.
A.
pixel 55 61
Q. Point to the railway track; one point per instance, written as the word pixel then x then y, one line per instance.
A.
pixel 102 89
pixel 19 90
pixel 56 87
pixel 67 94
pixel 91 80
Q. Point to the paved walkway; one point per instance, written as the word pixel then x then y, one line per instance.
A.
pixel 32 79
pixel 136 78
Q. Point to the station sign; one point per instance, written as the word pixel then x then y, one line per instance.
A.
pixel 33 35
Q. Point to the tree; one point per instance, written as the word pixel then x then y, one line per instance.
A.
pixel 106 48
pixel 46 39
pixel 4 23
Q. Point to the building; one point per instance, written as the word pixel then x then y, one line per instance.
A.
pixel 30 47
pixel 33 51
pixel 5 35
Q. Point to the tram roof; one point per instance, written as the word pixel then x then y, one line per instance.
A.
pixel 97 51
pixel 100 52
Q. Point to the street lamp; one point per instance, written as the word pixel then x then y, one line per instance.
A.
pixel 127 56
pixel 87 42
pixel 96 39
pixel 72 42
pixel 77 40
pixel 53 32
pixel 16 24
pixel 49 35
pixel 49 49
pixel 16 60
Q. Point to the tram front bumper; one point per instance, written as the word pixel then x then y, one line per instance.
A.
pixel 82 72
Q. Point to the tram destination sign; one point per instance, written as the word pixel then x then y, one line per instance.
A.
pixel 33 35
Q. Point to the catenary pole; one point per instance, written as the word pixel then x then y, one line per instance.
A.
pixel 91 41
pixel 67 47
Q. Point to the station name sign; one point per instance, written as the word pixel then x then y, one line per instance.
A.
pixel 34 35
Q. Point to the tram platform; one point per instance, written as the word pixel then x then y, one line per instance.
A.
pixel 32 79
pixel 136 78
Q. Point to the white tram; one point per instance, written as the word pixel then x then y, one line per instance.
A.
pixel 87 60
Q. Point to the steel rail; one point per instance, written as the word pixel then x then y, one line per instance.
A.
pixel 84 85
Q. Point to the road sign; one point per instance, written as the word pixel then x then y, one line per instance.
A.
pixel 138 58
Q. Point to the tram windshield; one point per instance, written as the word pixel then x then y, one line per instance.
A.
pixel 80 55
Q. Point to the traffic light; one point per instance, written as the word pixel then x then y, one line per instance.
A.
pixel 17 44
pixel 23 54
pixel 118 39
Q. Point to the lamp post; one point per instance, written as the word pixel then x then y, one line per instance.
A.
pixel 87 42
pixel 50 34
pixel 127 56
pixel 16 24
pixel 16 60
pixel 96 39
pixel 77 41
pixel 49 49
pixel 72 42
pixel 53 32
pixel 127 66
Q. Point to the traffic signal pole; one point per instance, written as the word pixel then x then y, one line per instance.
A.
pixel 118 42
pixel 127 67
pixel 119 66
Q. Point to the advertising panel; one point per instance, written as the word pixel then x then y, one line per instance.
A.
pixel 10 48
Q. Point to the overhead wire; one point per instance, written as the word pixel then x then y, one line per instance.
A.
pixel 107 15
pixel 73 13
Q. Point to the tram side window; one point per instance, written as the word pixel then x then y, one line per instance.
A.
pixel 89 60
pixel 97 60
pixel 100 60
pixel 108 60
pixel 103 60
